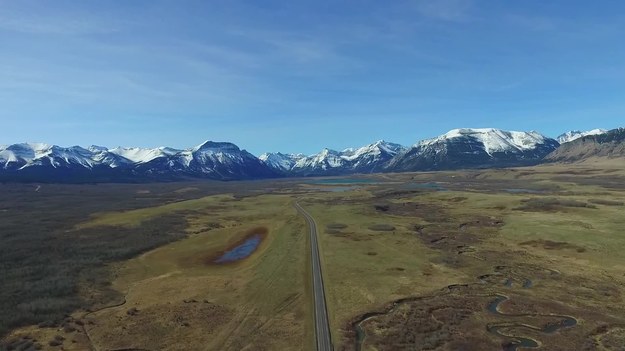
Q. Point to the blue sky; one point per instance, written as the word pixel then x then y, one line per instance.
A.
pixel 297 76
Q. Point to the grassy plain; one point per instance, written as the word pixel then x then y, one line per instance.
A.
pixel 259 302
pixel 547 238
pixel 172 297
pixel 470 260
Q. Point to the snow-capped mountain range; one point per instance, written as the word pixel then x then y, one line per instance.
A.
pixel 214 160
pixel 281 162
pixel 366 159
pixel 576 134
pixel 458 148
pixel 491 140
pixel 470 148
pixel 610 144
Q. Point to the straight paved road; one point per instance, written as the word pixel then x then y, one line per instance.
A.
pixel 322 326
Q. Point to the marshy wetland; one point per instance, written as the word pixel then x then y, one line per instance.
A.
pixel 511 259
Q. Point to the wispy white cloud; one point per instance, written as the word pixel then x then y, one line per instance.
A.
pixel 446 10
pixel 533 22
pixel 225 56
pixel 34 22
pixel 311 51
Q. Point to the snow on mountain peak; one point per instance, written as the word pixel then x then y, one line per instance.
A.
pixel 96 148
pixel 326 152
pixel 24 152
pixel 494 140
pixel 576 134
pixel 216 146
pixel 136 154
pixel 278 160
pixel 34 154
pixel 214 160
pixel 362 159
pixel 373 150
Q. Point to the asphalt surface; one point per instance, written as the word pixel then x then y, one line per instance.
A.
pixel 322 326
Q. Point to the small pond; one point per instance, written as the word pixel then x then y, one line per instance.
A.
pixel 342 181
pixel 241 251
pixel 520 191
pixel 336 189
pixel 426 186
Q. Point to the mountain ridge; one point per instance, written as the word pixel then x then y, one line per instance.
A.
pixel 210 160
pixel 474 148
pixel 456 149
pixel 610 144
pixel 576 134
pixel 364 159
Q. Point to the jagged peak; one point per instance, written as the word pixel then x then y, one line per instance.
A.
pixel 30 146
pixel 97 148
pixel 280 154
pixel 576 134
pixel 327 151
pixel 216 146
pixel 492 139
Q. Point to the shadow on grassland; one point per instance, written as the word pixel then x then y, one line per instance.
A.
pixel 40 281
pixel 45 264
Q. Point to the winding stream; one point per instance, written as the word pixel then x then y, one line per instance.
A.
pixel 519 341
pixel 501 330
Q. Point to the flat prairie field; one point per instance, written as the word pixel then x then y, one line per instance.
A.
pixel 507 259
